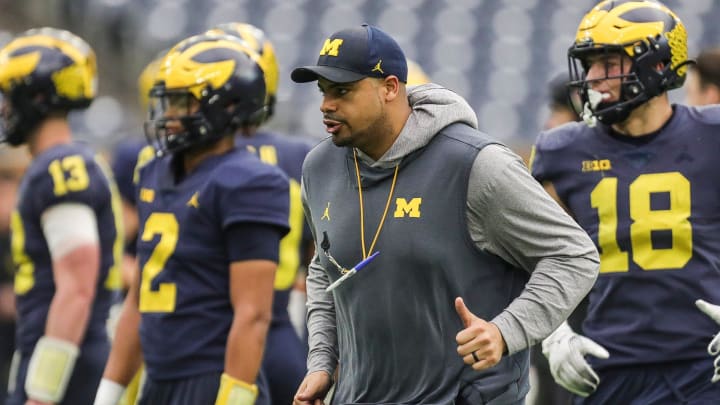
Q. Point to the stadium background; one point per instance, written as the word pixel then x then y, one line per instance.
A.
pixel 498 54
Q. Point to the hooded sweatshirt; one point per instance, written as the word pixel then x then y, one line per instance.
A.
pixel 481 227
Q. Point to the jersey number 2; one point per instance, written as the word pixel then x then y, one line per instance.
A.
pixel 161 299
pixel 644 221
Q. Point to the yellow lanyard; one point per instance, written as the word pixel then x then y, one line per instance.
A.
pixel 362 210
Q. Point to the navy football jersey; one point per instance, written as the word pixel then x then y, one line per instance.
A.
pixel 124 161
pixel 288 154
pixel 652 206
pixel 68 173
pixel 182 253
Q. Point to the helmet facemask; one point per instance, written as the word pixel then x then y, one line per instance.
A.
pixel 20 116
pixel 593 107
pixel 23 109
pixel 174 120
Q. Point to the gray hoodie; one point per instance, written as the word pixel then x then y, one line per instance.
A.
pixel 525 227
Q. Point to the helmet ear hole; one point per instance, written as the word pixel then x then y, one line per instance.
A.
pixel 270 107
pixel 243 119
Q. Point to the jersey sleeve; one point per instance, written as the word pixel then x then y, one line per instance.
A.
pixel 547 157
pixel 261 197
pixel 307 235
pixel 537 163
pixel 249 241
pixel 124 161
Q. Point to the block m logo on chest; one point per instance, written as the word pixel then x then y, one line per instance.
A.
pixel 404 208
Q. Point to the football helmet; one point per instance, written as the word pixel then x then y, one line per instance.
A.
pixel 207 86
pixel 256 40
pixel 146 80
pixel 416 75
pixel 43 71
pixel 647 32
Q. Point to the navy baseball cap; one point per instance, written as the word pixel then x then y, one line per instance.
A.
pixel 353 54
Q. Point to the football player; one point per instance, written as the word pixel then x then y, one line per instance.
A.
pixel 639 175
pixel 127 156
pixel 66 228
pixel 703 88
pixel 211 220
pixel 563 106
pixel 13 163
pixel 123 162
pixel 285 355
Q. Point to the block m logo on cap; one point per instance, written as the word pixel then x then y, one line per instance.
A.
pixel 331 47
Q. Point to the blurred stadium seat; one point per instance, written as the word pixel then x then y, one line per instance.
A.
pixel 498 54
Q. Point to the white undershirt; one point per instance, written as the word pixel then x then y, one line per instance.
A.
pixel 68 226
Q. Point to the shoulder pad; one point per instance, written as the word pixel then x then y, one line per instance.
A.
pixel 562 136
pixel 709 114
